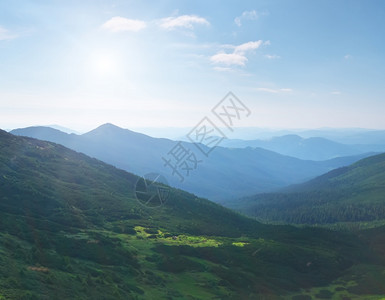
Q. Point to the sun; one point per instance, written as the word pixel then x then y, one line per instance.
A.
pixel 103 64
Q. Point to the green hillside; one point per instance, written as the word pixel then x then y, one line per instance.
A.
pixel 350 194
pixel 70 228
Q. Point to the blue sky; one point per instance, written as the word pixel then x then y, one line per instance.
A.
pixel 295 64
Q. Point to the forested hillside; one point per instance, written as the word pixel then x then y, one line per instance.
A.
pixel 350 194
pixel 70 228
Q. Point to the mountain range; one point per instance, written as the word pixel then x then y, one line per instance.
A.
pixel 224 174
pixel 71 228
pixel 313 148
pixel 348 136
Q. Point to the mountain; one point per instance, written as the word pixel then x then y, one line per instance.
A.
pixel 45 133
pixel 348 136
pixel 314 148
pixel 225 173
pixel 70 228
pixel 353 136
pixel 350 194
pixel 63 129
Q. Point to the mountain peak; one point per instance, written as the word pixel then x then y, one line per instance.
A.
pixel 112 131
pixel 109 125
pixel 42 133
pixel 106 128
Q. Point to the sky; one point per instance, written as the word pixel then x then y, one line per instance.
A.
pixel 147 64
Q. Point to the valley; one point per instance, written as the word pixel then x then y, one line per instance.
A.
pixel 71 227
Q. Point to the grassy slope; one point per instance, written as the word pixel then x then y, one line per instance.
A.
pixel 70 229
pixel 351 194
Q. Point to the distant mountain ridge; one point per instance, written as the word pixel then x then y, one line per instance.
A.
pixel 226 173
pixel 313 148
pixel 350 194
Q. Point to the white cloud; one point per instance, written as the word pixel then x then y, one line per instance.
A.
pixel 267 90
pixel 272 56
pixel 336 93
pixel 274 91
pixel 348 56
pixel 185 21
pixel 238 57
pixel 241 49
pixel 229 59
pixel 117 24
pixel 246 15
pixel 5 35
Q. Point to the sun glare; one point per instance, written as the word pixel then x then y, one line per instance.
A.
pixel 103 64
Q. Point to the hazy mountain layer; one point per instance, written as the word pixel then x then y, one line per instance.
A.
pixel 314 148
pixel 224 174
